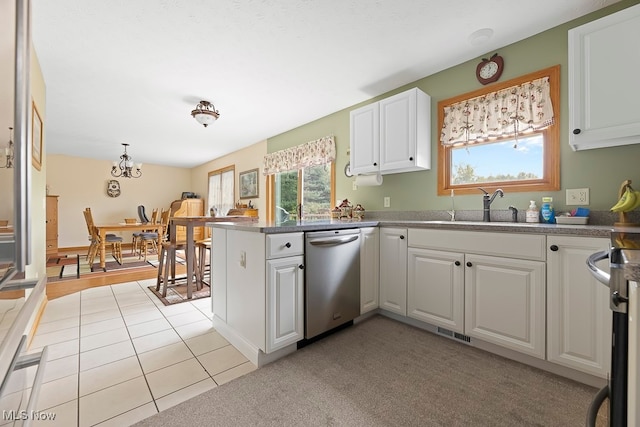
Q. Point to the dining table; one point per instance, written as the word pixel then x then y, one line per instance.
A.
pixel 122 226
pixel 190 222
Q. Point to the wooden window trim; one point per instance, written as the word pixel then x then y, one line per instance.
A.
pixel 271 185
pixel 220 172
pixel 551 169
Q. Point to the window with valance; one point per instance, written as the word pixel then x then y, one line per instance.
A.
pixel 505 135
pixel 318 152
pixel 301 179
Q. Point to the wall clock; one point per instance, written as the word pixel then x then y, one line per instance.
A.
pixel 113 188
pixel 490 70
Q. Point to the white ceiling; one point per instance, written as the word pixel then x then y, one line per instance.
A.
pixel 131 71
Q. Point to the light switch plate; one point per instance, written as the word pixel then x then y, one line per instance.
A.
pixel 577 196
pixel 387 202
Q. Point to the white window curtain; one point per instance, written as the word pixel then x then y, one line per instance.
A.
pixel 221 192
pixel 507 112
pixel 318 152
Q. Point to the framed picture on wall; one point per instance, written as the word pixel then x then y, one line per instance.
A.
pixel 36 138
pixel 248 184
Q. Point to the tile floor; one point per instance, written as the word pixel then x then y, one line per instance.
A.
pixel 117 355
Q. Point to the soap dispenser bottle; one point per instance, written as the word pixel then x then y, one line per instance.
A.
pixel 532 212
pixel 546 211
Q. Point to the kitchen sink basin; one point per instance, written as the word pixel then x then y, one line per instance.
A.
pixel 461 223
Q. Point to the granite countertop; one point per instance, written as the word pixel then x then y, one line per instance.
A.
pixel 512 227
pixel 271 228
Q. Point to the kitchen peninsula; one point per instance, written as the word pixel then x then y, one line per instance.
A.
pixel 451 278
pixel 257 282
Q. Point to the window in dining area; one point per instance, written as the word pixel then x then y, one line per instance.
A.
pixel 221 190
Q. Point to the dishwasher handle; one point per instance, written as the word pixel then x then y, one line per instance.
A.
pixel 334 241
pixel 601 276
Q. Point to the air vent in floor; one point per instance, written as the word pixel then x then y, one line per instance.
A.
pixel 454 335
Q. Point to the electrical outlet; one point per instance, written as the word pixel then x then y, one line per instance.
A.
pixel 354 186
pixel 243 259
pixel 577 196
pixel 387 202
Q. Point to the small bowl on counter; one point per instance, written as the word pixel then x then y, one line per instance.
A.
pixel 573 220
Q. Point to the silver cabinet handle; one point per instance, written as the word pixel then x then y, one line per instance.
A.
pixel 334 241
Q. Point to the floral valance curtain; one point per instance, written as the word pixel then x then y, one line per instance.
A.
pixel 506 112
pixel 310 153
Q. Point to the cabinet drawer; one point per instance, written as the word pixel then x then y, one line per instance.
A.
pixel 283 245
pixel 508 245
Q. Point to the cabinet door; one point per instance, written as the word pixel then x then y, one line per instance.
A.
pixel 397 131
pixel 505 302
pixel 405 132
pixel 52 225
pixel 369 268
pixel 365 139
pixel 285 302
pixel 578 315
pixel 393 270
pixel 435 288
pixel 603 78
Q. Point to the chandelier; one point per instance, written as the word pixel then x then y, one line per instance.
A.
pixel 205 113
pixel 125 167
pixel 8 152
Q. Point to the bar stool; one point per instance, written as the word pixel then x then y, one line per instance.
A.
pixel 167 262
pixel 203 247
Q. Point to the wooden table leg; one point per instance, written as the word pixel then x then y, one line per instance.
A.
pixel 172 234
pixel 103 248
pixel 190 256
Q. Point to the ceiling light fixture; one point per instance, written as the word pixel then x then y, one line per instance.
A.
pixel 480 36
pixel 205 113
pixel 125 167
pixel 9 152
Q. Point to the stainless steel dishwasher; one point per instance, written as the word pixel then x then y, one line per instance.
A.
pixel 332 279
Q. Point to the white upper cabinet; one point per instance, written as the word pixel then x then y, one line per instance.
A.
pixel 603 81
pixel 392 135
pixel 365 139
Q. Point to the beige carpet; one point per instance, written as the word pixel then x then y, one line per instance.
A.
pixel 384 373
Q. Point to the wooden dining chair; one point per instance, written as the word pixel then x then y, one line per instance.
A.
pixel 136 239
pixel 94 247
pixel 150 238
pixel 89 222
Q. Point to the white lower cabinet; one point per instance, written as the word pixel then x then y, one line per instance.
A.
pixel 257 284
pixel 285 302
pixel 435 288
pixel 489 286
pixel 578 314
pixel 393 270
pixel 505 302
pixel 369 269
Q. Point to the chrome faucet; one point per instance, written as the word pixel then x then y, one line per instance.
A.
pixel 486 203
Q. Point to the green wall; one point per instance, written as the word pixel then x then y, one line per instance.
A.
pixel 600 170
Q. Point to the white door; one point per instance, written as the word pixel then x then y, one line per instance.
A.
pixel 398 131
pixel 369 268
pixel 435 288
pixel 365 139
pixel 393 270
pixel 603 81
pixel 578 314
pixel 285 302
pixel 505 302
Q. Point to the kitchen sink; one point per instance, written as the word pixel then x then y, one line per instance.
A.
pixel 478 223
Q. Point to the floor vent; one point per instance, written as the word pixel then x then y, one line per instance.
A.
pixel 455 335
